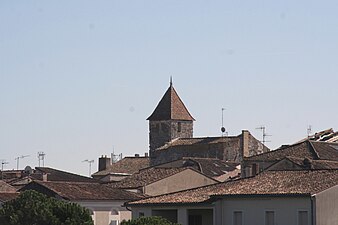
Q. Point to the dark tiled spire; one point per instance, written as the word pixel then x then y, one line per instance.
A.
pixel 170 107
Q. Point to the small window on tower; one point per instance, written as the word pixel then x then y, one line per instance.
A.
pixel 179 127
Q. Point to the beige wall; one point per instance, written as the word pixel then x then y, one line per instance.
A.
pixel 181 181
pixel 106 211
pixel 253 209
pixel 326 206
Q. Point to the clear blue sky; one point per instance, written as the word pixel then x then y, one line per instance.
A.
pixel 79 78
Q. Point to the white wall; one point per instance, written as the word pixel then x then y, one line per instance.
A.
pixel 326 206
pixel 253 209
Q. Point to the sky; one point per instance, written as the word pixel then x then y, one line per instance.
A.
pixel 79 78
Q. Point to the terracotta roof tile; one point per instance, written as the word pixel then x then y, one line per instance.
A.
pixel 171 107
pixel 6 196
pixel 127 165
pixel 266 183
pixel 83 191
pixel 145 177
pixel 214 167
pixel 197 141
pixel 59 175
pixel 4 187
pixel 305 149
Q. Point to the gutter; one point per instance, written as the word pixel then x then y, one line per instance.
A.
pixel 313 209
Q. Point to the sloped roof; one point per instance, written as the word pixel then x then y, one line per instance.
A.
pixel 127 165
pixel 59 175
pixel 6 196
pixel 83 191
pixel 305 163
pixel 145 177
pixel 214 167
pixel 4 187
pixel 197 141
pixel 328 135
pixel 288 183
pixel 171 107
pixel 305 149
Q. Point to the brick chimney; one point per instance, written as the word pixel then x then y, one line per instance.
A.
pixel 104 162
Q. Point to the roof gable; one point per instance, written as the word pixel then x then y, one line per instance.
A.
pixel 170 107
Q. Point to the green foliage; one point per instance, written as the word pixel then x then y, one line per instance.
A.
pixel 154 220
pixel 33 208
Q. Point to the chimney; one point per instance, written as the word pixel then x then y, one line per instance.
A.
pixel 137 155
pixel 245 143
pixel 44 177
pixel 146 154
pixel 104 162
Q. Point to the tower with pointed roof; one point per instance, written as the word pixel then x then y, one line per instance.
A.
pixel 170 120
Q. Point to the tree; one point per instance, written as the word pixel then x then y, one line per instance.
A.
pixel 154 220
pixel 33 208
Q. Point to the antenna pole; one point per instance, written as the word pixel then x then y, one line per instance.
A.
pixel 3 162
pixel 264 134
pixel 309 131
pixel 41 157
pixel 18 158
pixel 90 165
pixel 222 128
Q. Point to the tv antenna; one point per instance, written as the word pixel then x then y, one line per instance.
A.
pixel 115 157
pixel 41 157
pixel 18 159
pixel 223 128
pixel 3 162
pixel 264 134
pixel 309 131
pixel 90 165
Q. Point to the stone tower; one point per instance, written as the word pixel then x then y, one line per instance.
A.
pixel 170 120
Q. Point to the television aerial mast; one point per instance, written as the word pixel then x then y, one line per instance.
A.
pixel 41 157
pixel 90 162
pixel 3 162
pixel 18 159
pixel 264 134
pixel 223 128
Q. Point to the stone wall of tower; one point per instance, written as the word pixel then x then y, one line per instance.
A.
pixel 161 132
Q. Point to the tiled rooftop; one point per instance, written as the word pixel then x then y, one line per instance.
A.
pixel 6 196
pixel 306 149
pixel 266 183
pixel 171 107
pixel 145 177
pixel 127 165
pixel 4 187
pixel 198 141
pixel 83 191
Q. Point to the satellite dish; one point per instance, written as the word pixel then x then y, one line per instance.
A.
pixel 28 170
pixel 223 129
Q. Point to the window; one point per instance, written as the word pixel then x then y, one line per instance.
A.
pixel 238 218
pixel 303 218
pixel 179 127
pixel 141 214
pixel 269 217
pixel 195 219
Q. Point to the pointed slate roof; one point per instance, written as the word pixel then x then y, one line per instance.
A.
pixel 171 107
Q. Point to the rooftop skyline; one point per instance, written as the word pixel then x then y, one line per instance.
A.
pixel 78 79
